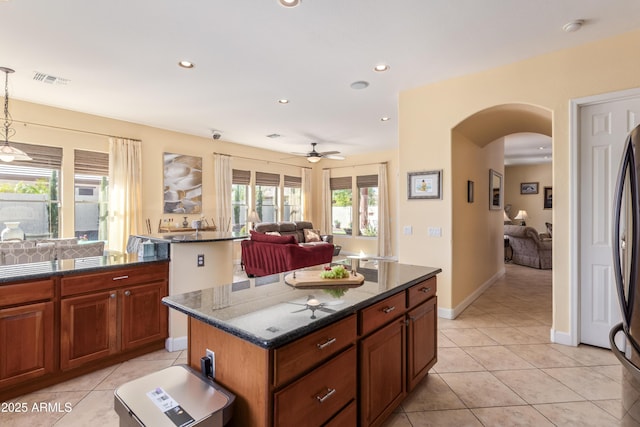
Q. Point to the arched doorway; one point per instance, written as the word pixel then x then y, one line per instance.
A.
pixel 477 231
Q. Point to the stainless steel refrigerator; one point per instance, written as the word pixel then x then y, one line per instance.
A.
pixel 625 337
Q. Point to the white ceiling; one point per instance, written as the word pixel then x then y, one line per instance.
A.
pixel 527 149
pixel 120 58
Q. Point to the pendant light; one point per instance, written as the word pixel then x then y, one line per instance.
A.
pixel 7 152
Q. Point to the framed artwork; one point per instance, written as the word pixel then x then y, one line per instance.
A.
pixel 469 191
pixel 528 188
pixel 548 198
pixel 182 184
pixel 496 193
pixel 424 185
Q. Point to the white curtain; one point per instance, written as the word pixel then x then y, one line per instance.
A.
pixel 125 191
pixel 223 183
pixel 325 223
pixel 306 194
pixel 384 225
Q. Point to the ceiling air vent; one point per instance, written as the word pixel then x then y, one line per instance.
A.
pixel 49 79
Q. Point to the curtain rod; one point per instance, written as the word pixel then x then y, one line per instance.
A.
pixel 354 166
pixel 261 160
pixel 75 130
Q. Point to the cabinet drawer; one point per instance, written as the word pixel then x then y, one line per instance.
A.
pixel 82 283
pixel 26 292
pixel 421 292
pixel 348 417
pixel 319 395
pixel 379 314
pixel 297 357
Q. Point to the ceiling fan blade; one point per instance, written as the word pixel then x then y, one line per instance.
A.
pixel 328 153
pixel 299 311
pixel 333 157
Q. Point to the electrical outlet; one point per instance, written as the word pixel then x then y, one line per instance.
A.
pixel 200 260
pixel 212 357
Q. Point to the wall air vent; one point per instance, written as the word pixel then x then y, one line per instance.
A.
pixel 49 79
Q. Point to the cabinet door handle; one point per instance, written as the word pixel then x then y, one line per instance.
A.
pixel 388 309
pixel 127 293
pixel 329 392
pixel 120 278
pixel 425 290
pixel 325 344
pixel 113 295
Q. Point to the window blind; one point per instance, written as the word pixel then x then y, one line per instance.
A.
pixel 240 177
pixel 292 181
pixel 342 183
pixel 42 156
pixel 366 181
pixel 90 163
pixel 267 179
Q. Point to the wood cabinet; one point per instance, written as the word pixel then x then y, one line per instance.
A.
pixel 355 371
pixel 394 358
pixel 106 313
pixel 382 372
pixel 26 331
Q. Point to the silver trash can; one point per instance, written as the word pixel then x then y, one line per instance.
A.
pixel 175 396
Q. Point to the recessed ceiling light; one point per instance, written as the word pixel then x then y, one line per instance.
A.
pixel 186 64
pixel 289 3
pixel 540 148
pixel 283 101
pixel 381 67
pixel 385 119
pixel 360 84
pixel 573 26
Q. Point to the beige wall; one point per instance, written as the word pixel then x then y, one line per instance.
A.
pixel 429 113
pixel 532 203
pixel 39 124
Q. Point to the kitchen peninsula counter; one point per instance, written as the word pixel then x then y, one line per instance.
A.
pixel 276 344
pixel 204 259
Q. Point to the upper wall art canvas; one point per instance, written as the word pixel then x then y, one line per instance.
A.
pixel 182 184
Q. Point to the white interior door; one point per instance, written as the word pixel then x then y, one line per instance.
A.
pixel 603 131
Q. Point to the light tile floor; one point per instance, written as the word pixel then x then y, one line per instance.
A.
pixel 496 367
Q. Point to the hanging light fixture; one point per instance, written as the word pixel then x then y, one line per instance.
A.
pixel 7 152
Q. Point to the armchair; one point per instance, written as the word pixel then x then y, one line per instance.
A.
pixel 527 247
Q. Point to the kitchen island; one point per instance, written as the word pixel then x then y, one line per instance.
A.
pixel 204 259
pixel 65 318
pixel 300 356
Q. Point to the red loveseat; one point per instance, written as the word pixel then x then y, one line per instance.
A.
pixel 265 254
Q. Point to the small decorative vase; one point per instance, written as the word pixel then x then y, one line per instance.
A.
pixel 185 223
pixel 12 231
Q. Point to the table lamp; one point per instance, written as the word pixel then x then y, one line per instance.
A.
pixel 522 216
pixel 253 218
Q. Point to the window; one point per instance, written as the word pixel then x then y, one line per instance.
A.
pixel 292 198
pixel 91 195
pixel 341 205
pixel 239 198
pixel 368 205
pixel 29 191
pixel 267 196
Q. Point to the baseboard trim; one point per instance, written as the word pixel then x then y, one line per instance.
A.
pixel 563 338
pixel 176 344
pixel 448 313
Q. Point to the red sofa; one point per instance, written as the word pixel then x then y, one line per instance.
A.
pixel 265 254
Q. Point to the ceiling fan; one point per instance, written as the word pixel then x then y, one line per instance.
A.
pixel 314 156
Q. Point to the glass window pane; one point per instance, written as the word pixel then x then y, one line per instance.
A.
pixel 240 207
pixel 341 211
pixel 368 211
pixel 30 196
pixel 91 207
pixel 292 204
pixel 267 203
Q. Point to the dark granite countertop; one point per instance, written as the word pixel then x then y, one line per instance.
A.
pixel 43 270
pixel 268 312
pixel 193 237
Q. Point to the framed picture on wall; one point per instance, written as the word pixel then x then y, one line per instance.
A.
pixel 528 188
pixel 182 183
pixel 496 195
pixel 548 198
pixel 424 185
